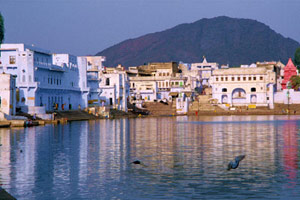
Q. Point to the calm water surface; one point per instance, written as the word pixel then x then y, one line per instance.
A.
pixel 185 158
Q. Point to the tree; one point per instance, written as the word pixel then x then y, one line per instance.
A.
pixel 1 29
pixel 295 82
pixel 297 57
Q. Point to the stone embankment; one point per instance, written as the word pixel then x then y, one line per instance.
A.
pixel 155 109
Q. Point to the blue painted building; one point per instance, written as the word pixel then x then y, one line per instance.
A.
pixel 45 81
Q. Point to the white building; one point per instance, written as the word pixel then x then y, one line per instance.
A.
pixel 94 68
pixel 7 94
pixel 244 86
pixel 114 88
pixel 41 85
pixel 204 71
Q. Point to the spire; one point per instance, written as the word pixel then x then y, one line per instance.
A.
pixel 204 60
pixel 290 64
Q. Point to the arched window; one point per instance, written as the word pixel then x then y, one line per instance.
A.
pixel 253 89
pixel 224 90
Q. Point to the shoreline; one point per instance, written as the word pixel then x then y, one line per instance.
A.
pixel 68 117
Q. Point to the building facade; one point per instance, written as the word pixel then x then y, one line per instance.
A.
pixel 114 87
pixel 44 82
pixel 7 94
pixel 244 86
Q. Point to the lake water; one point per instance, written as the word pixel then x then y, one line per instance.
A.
pixel 184 158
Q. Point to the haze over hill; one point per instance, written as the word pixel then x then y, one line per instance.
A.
pixel 221 39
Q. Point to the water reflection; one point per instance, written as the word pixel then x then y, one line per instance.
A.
pixel 186 157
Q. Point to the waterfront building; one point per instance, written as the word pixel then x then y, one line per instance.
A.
pixel 204 71
pixel 151 82
pixel 114 87
pixel 7 95
pixel 244 86
pixel 289 71
pixel 44 82
pixel 278 68
pixel 93 78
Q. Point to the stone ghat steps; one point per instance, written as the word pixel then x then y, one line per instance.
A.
pixel 282 108
pixel 196 106
pixel 74 115
pixel 157 108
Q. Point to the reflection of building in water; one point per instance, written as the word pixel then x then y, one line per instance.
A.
pixel 113 148
pixel 5 156
pixel 25 161
pixel 290 150
pixel 83 155
pixel 242 136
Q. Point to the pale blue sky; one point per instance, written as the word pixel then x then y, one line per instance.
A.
pixel 85 27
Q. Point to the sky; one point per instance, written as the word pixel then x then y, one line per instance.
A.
pixel 86 27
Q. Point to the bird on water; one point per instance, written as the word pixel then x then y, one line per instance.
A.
pixel 235 163
pixel 136 162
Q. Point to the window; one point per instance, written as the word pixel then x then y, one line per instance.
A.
pixel 249 78
pixel 176 83
pixel 23 78
pixel 217 79
pixel 267 98
pixel 159 74
pixel 164 74
pixel 167 73
pixel 244 78
pixel 253 89
pixel 254 78
pixel 222 79
pixel 261 78
pixel 167 84
pixel 226 78
pixel 163 84
pixel 232 78
pixel 239 78
pixel 224 90
pixel 159 84
pixel 107 81
pixel 12 59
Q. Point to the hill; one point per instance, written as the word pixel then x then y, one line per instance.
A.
pixel 221 39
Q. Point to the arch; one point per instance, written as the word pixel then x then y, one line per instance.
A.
pixel 239 96
pixel 238 93
pixel 224 99
pixel 253 98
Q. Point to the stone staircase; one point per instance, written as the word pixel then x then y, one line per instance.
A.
pixel 282 109
pixel 74 115
pixel 203 105
pixel 157 108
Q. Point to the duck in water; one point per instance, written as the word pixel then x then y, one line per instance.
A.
pixel 235 163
